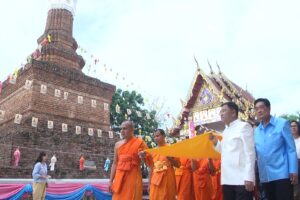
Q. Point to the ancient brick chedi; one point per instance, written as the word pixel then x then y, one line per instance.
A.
pixel 62 110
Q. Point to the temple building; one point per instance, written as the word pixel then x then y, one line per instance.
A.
pixel 51 105
pixel 203 103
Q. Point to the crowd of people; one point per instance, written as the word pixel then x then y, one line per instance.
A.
pixel 169 177
pixel 269 145
pixel 258 161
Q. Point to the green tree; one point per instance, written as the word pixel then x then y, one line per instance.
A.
pixel 145 124
pixel 291 117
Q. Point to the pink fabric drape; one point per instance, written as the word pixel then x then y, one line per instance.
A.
pixel 8 190
pixel 101 186
pixel 63 188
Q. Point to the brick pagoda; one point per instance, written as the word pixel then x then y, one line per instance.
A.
pixel 52 88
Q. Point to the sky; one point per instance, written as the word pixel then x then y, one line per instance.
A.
pixel 152 43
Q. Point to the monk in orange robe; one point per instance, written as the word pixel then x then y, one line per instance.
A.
pixel 126 177
pixel 162 175
pixel 202 180
pixel 216 181
pixel 184 180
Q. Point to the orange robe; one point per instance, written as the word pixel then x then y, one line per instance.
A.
pixel 202 181
pixel 216 180
pixel 163 183
pixel 127 183
pixel 184 180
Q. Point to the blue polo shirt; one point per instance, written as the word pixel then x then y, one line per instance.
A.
pixel 275 150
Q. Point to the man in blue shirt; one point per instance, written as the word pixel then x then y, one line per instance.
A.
pixel 276 153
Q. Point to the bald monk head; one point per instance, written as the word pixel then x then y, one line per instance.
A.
pixel 127 130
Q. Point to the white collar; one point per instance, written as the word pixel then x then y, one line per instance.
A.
pixel 232 123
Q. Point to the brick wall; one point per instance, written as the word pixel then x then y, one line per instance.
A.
pixel 67 146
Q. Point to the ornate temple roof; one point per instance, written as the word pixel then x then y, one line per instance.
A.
pixel 210 91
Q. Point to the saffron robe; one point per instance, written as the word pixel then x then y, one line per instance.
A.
pixel 202 181
pixel 163 182
pixel 184 180
pixel 127 183
pixel 216 181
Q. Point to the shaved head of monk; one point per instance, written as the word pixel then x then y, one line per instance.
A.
pixel 127 130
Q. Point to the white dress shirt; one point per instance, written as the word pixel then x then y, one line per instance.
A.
pixel 237 154
pixel 297 143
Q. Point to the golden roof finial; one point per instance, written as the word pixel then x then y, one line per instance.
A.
pixel 211 70
pixel 198 68
pixel 219 68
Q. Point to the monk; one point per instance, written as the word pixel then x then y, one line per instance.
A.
pixel 162 175
pixel 126 177
pixel 202 180
pixel 216 180
pixel 184 180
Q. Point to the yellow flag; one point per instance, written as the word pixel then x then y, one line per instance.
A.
pixel 197 147
pixel 16 72
pixel 49 37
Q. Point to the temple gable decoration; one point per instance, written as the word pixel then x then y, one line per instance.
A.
pixel 205 97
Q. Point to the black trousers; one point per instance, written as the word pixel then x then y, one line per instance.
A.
pixel 236 192
pixel 279 190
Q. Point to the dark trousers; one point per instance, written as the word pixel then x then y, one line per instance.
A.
pixel 279 190
pixel 236 192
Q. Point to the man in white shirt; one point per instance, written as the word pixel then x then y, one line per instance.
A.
pixel 237 155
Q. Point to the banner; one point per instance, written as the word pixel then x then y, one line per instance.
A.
pixel 18 118
pixel 78 130
pixel 50 124
pixel 90 132
pixel 197 147
pixel 66 94
pixel 93 103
